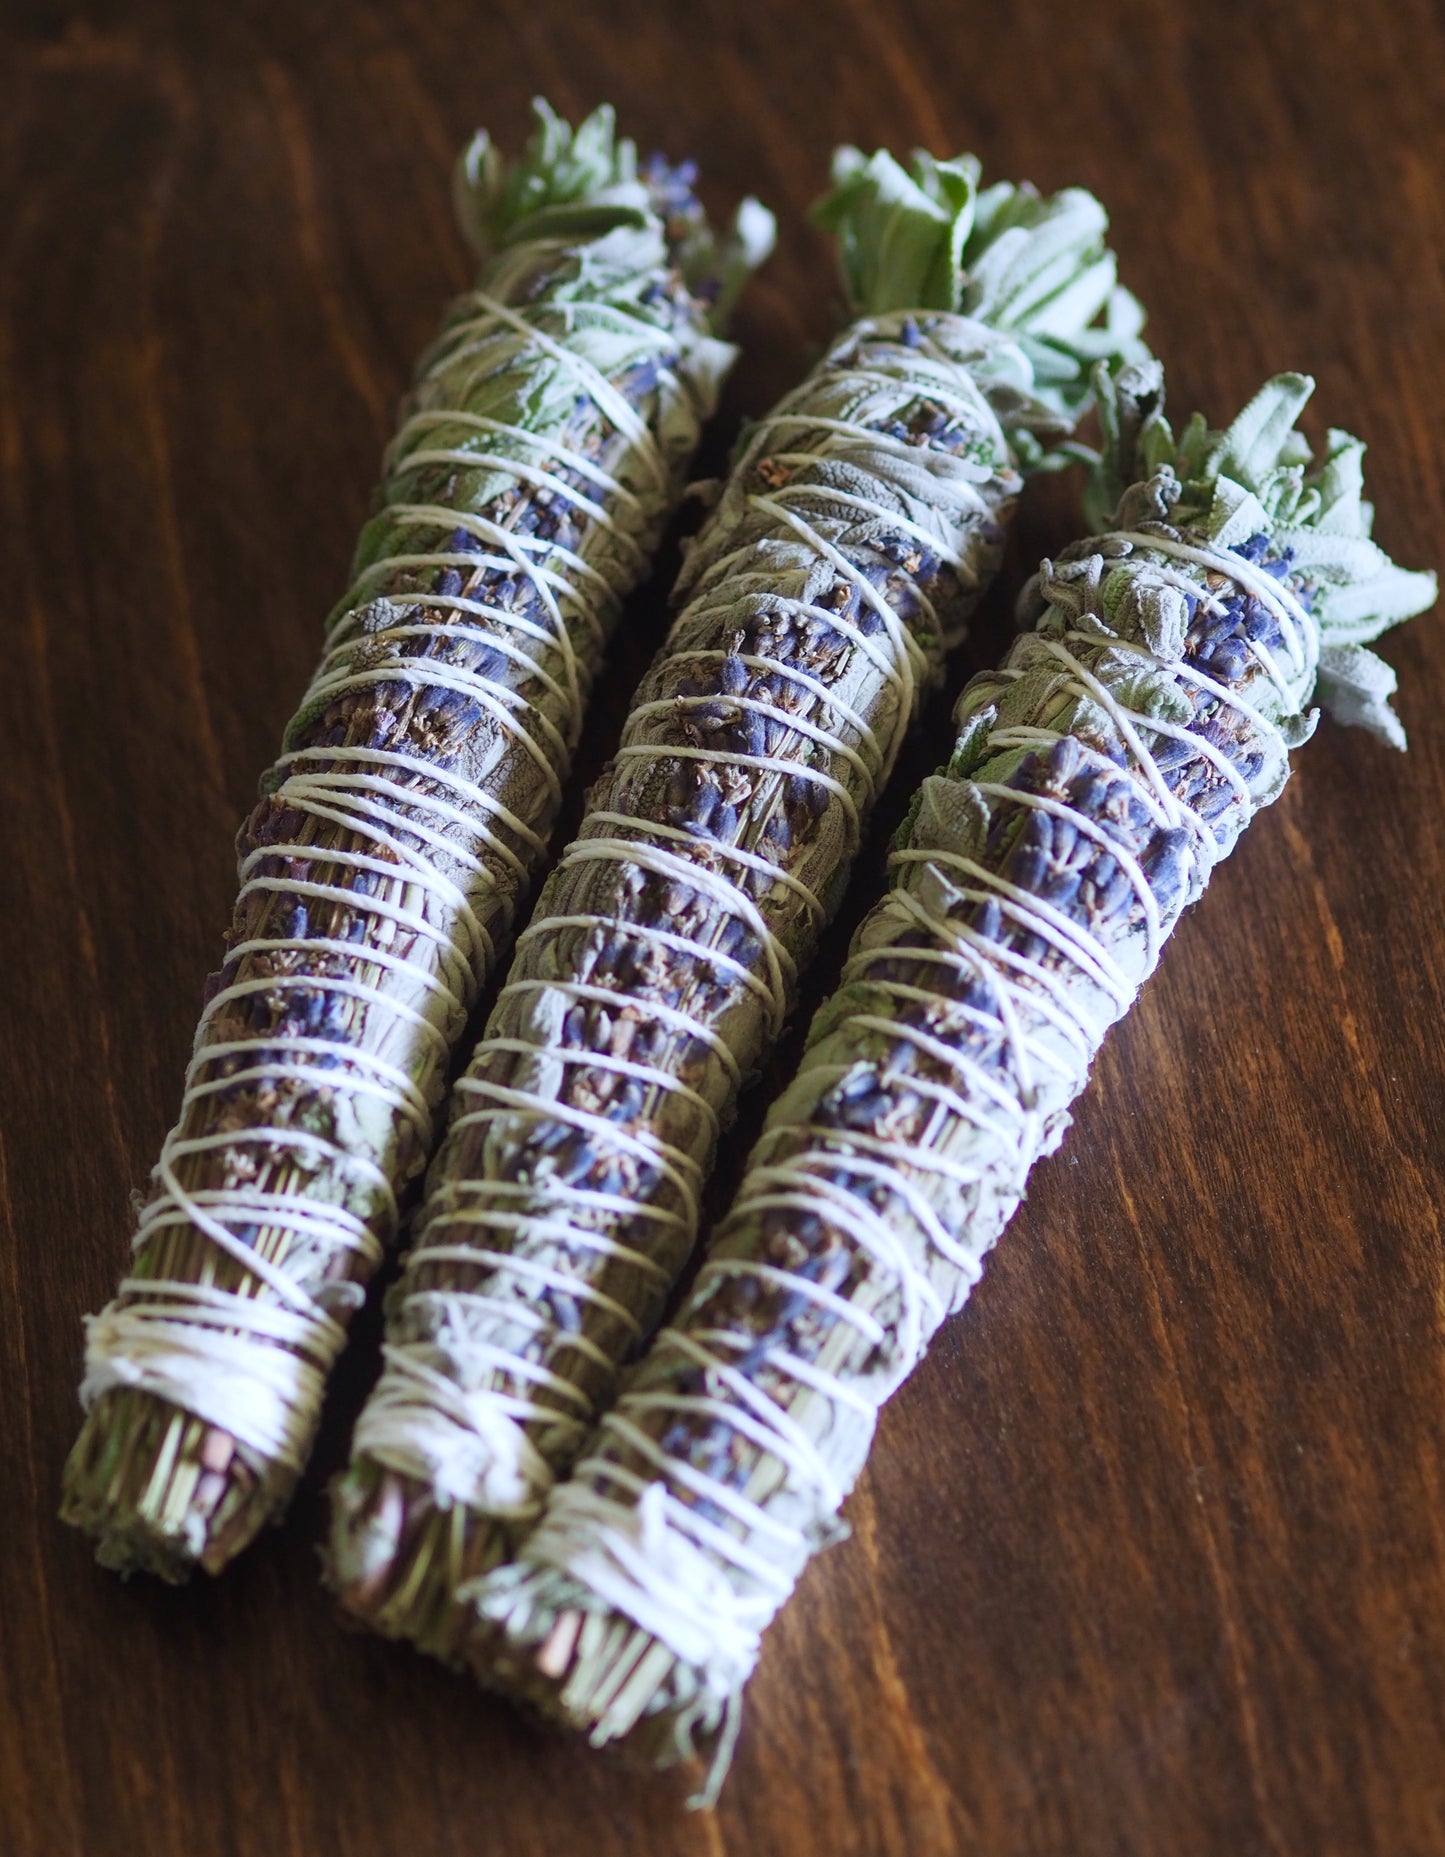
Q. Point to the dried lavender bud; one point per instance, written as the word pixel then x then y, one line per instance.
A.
pixel 538 456
pixel 860 524
pixel 1099 776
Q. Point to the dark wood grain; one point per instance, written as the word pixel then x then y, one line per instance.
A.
pixel 1151 1554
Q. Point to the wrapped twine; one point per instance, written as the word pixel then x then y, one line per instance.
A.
pixel 1099 776
pixel 862 520
pixel 537 458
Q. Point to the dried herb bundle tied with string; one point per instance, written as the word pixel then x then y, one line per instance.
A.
pixel 545 442
pixel 1099 776
pixel 862 520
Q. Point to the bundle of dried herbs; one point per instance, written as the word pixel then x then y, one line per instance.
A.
pixel 545 442
pixel 1098 777
pixel 862 520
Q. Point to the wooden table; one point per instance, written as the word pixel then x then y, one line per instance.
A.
pixel 1151 1554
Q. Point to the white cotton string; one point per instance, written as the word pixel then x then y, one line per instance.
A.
pixel 691 1520
pixel 775 667
pixel 464 682
pixel 618 1066
pixel 838 1306
pixel 1095 833
pixel 554 635
pixel 798 532
pixel 683 1022
pixel 550 566
pixel 664 938
pixel 920 1216
pixel 383 1088
pixel 763 1423
pixel 1301 633
pixel 904 667
pixel 601 1242
pixel 470 1448
pixel 905 525
pixel 427 839
pixel 612 488
pixel 562 1192
pixel 962 949
pixel 639 1557
pixel 504 706
pixel 681 1169
pixel 732 900
pixel 698 873
pixel 624 416
pixel 757 706
pixel 527 474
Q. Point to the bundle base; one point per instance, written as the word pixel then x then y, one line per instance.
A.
pixel 395 1559
pixel 163 1491
pixel 543 1640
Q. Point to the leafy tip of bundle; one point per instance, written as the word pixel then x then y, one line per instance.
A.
pixel 1256 478
pixel 577 184
pixel 1032 267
